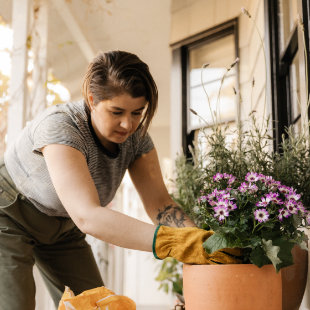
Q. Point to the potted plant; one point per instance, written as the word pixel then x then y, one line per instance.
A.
pixel 253 198
pixel 222 191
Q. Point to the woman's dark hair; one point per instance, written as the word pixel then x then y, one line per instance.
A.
pixel 114 73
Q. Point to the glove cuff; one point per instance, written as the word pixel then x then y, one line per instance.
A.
pixel 154 242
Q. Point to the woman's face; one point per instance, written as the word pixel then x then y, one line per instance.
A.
pixel 114 120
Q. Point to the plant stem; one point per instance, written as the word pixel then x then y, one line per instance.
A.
pixel 204 89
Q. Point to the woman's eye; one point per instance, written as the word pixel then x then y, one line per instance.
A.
pixel 116 113
pixel 137 113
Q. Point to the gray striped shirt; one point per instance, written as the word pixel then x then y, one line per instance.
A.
pixel 68 124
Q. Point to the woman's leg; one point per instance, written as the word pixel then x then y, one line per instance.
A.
pixel 68 262
pixel 17 289
pixel 59 248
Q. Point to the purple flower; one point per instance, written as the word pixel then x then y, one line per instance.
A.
pixel 261 215
pixel 251 177
pixel 278 201
pixel 231 180
pixel 269 178
pixel 274 197
pixel 284 189
pixel 264 202
pixel 262 192
pixel 291 206
pixel 231 206
pixel 202 199
pixel 230 177
pixel 222 203
pixel 217 177
pixel 224 195
pixel 283 213
pixel 212 202
pixel 243 187
pixel 266 179
pixel 211 196
pixel 252 188
pixel 293 195
pixel 221 212
pixel 219 193
pixel 211 199
pixel 261 177
pixel 301 207
pixel 273 185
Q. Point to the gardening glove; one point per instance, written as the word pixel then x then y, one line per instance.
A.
pixel 97 298
pixel 185 245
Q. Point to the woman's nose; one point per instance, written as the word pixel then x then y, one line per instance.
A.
pixel 126 122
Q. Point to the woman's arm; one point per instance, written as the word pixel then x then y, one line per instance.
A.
pixel 76 190
pixel 147 178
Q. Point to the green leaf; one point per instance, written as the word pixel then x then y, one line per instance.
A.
pixel 258 257
pixel 215 242
pixel 272 252
pixel 285 253
pixel 166 288
pixel 255 241
pixel 177 287
pixel 297 221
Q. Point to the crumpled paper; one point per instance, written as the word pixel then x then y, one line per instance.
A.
pixel 99 298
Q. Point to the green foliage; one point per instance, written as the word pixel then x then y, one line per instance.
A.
pixel 250 151
pixel 292 165
pixel 189 182
pixel 170 276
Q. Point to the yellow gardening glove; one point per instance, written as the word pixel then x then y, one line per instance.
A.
pixel 185 245
pixel 97 298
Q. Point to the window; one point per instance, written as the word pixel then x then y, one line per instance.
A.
pixel 203 88
pixel 285 43
pixel 205 84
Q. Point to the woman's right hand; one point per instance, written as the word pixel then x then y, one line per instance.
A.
pixel 185 245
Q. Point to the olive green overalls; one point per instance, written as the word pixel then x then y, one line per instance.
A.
pixel 54 244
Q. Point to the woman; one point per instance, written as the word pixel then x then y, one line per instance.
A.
pixel 68 163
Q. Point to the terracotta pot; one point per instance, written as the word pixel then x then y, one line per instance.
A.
pixel 294 280
pixel 244 287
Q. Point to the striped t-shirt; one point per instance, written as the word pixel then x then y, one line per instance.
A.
pixel 68 124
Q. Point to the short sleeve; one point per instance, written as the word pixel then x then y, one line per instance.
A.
pixel 58 128
pixel 144 144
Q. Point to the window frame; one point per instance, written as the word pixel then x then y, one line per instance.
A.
pixel 180 56
pixel 279 66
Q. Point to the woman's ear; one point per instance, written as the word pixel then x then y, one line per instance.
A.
pixel 91 101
